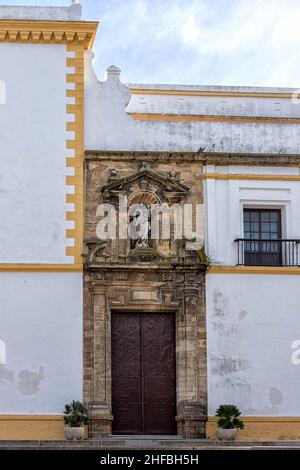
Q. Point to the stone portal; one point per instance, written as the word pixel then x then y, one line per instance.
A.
pixel 150 294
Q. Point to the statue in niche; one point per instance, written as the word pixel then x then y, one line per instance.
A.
pixel 140 226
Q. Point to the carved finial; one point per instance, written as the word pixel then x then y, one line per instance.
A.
pixel 113 74
pixel 144 166
pixel 113 70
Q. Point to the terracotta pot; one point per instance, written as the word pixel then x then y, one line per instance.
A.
pixel 226 434
pixel 74 434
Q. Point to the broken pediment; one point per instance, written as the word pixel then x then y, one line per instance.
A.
pixel 146 186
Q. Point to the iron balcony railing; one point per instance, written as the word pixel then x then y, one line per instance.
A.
pixel 259 252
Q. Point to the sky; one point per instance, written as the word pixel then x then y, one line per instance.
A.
pixel 195 42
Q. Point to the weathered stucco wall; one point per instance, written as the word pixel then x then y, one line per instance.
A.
pixel 252 321
pixel 110 127
pixel 33 154
pixel 41 327
pixel 210 105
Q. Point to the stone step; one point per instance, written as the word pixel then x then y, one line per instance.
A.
pixel 146 443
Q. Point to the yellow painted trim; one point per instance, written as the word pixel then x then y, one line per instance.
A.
pixel 30 417
pixel 73 199
pixel 72 108
pixel 73 162
pixel 265 419
pixel 41 268
pixel 71 62
pixel 72 126
pixel 253 270
pixel 71 251
pixel 70 233
pixel 32 427
pixel 209 118
pixel 77 145
pixel 74 180
pixel 234 94
pixel 229 176
pixel 51 427
pixel 73 93
pixel 49 32
pixel 71 216
pixel 262 428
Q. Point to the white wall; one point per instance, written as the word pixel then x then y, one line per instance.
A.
pixel 108 126
pixel 212 105
pixel 225 200
pixel 33 154
pixel 252 321
pixel 41 326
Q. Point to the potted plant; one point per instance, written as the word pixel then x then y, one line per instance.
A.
pixel 75 418
pixel 229 422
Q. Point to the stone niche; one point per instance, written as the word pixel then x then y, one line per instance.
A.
pixel 159 276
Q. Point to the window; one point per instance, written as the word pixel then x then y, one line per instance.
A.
pixel 262 227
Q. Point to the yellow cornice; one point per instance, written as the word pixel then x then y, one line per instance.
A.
pixel 213 118
pixel 260 177
pixel 30 417
pixel 253 270
pixel 234 94
pixel 48 32
pixel 41 268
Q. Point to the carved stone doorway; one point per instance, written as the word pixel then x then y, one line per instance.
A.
pixel 156 291
pixel 153 276
pixel 143 373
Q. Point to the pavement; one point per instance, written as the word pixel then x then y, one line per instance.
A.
pixel 171 443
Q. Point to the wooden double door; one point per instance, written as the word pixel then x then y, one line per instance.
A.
pixel 143 373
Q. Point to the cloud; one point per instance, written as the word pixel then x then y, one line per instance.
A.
pixel 202 42
pixel 225 42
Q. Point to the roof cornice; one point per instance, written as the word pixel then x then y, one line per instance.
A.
pixel 48 32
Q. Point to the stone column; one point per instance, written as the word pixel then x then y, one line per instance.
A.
pixel 101 417
pixel 192 393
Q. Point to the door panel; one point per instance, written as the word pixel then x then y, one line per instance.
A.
pixel 126 373
pixel 158 342
pixel 143 373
